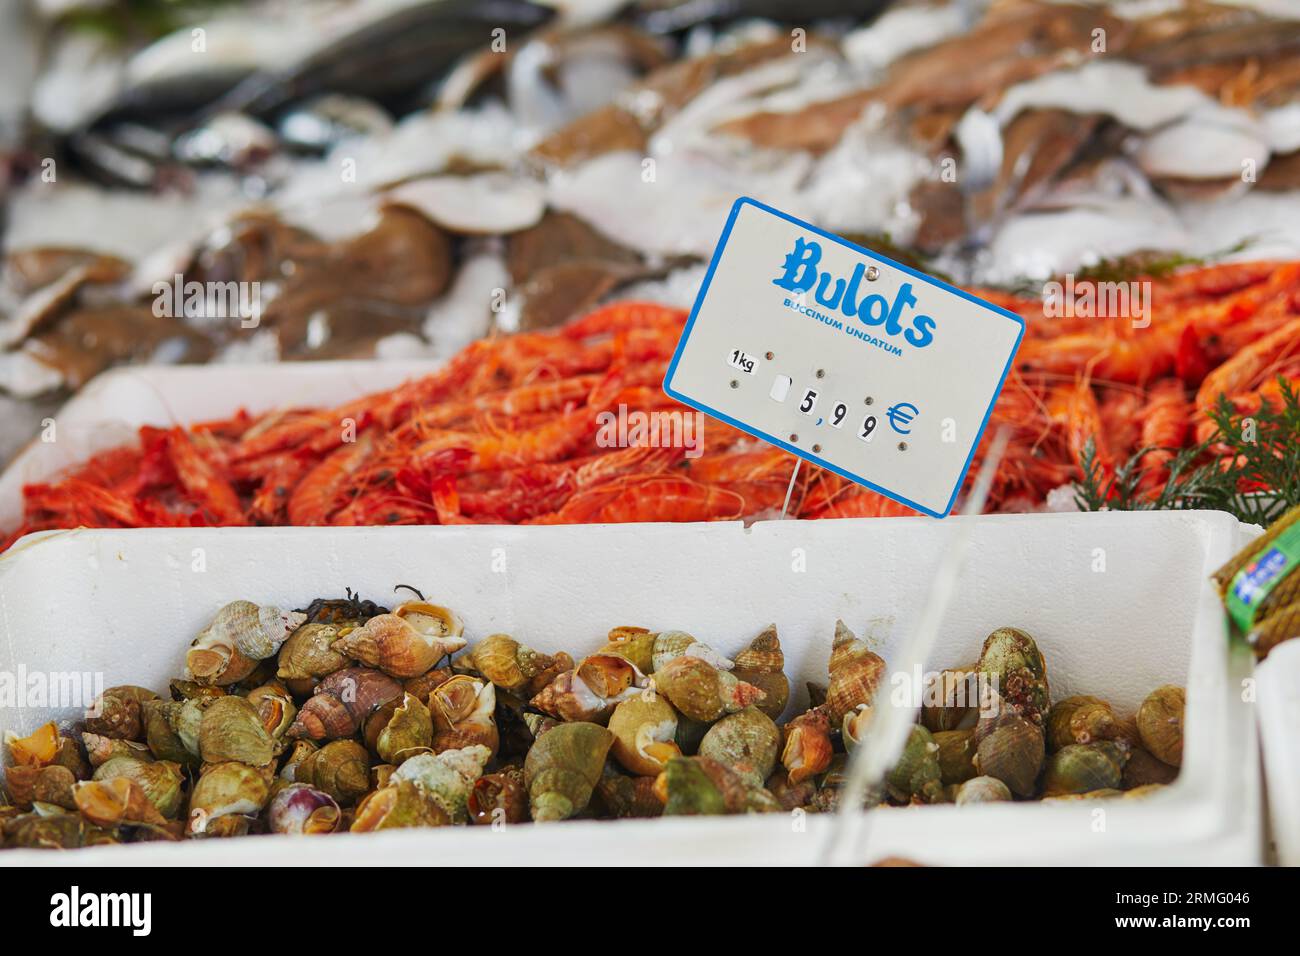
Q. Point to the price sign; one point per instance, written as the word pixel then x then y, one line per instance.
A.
pixel 843 357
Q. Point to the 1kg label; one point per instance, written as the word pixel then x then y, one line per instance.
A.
pixel 843 357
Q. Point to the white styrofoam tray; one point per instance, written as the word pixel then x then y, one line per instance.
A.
pixel 109 409
pixel 1278 690
pixel 1119 603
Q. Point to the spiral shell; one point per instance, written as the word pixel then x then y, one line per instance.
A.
pixel 855 673
pixel 116 712
pixel 627 797
pixel 241 633
pixel 952 700
pixel 498 798
pixel 700 691
pixel 161 780
pixel 1013 664
pixel 225 798
pixel 1160 723
pixel 309 653
pixel 746 742
pixel 275 708
pixel 447 777
pixel 162 720
pixel 1143 769
pixel 916 776
pixel 1010 748
pixel 563 767
pixel 643 730
pixel 1080 720
pixel 1083 768
pixel 37 749
pixel 406 642
pixel 507 663
pixel 592 690
pixel 702 786
pixel 856 724
pixel 807 751
pixel 409 731
pixel 956 755
pixel 762 664
pixel 110 803
pixel 342 702
pixel 401 804
pixel 51 784
pixel 302 810
pixel 671 645
pixel 635 643
pixel 341 769
pixel 982 790
pixel 464 711
pixel 231 729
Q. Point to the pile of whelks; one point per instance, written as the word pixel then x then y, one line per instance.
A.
pixel 348 716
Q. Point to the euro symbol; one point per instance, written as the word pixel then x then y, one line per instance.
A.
pixel 900 415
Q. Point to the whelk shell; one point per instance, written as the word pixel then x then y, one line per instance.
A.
pixel 592 690
pixel 341 769
pixel 225 798
pixel 342 702
pixel 507 663
pixel 700 691
pixel 635 643
pixel 563 767
pixel 499 798
pixel 1160 724
pixel 447 777
pixel 240 634
pixel 670 645
pixel 1080 720
pixel 406 642
pixel 1010 748
pixel 408 732
pixel 917 776
pixel 808 749
pixel 855 673
pixel 762 664
pixel 644 729
pixel 463 714
pixel 232 729
pixel 1083 768
pixel 161 781
pixel 1012 662
pixel 116 713
pixel 982 790
pixel 400 804
pixel 109 803
pixel 309 653
pixel 746 742
pixel 302 810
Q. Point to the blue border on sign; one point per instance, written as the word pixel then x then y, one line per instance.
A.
pixel 799 452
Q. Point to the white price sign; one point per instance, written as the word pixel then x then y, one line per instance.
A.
pixel 845 358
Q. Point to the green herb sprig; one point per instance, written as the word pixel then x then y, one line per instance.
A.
pixel 1259 451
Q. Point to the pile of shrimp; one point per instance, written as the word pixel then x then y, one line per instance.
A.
pixel 510 430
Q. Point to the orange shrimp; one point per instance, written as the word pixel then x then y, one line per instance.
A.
pixel 1074 409
pixel 1165 424
pixel 278 481
pixel 201 482
pixel 762 463
pixel 1121 420
pixel 619 316
pixel 652 498
pixel 1244 371
pixel 864 503
pixel 317 496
